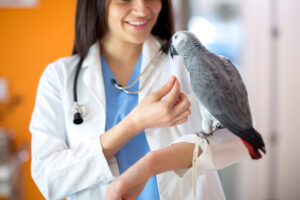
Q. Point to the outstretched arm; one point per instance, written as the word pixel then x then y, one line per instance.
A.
pixel 224 149
pixel 131 183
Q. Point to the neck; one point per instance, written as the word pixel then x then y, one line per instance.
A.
pixel 119 53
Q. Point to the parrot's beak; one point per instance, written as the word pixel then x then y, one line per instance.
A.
pixel 173 51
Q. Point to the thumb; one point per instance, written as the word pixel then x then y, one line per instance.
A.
pixel 165 89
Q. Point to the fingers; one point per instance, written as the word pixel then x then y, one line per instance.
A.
pixel 181 110
pixel 180 121
pixel 182 104
pixel 164 90
pixel 174 95
pixel 178 105
pixel 182 118
pixel 172 110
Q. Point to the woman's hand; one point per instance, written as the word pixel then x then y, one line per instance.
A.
pixel 155 111
pixel 131 183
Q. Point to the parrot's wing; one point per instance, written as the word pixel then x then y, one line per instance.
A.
pixel 224 95
pixel 222 91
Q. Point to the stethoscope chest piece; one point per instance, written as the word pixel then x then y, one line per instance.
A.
pixel 79 112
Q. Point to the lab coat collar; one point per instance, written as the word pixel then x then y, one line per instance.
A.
pixel 92 56
pixel 150 47
pixel 149 51
pixel 92 74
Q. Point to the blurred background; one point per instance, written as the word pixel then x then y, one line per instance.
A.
pixel 261 37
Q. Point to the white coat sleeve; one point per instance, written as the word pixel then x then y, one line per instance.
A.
pixel 57 169
pixel 224 148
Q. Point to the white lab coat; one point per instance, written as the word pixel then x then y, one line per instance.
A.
pixel 67 159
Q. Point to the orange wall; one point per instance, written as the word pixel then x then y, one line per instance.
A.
pixel 29 40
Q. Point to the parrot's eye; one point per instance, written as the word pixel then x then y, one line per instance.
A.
pixel 176 37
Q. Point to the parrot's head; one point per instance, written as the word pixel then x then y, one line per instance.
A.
pixel 184 42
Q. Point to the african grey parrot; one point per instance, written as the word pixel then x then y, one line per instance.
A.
pixel 220 90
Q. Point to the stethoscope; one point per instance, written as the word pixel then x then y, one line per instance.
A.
pixel 80 110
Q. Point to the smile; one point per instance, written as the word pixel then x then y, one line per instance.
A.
pixel 138 23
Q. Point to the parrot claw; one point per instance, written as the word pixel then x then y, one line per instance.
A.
pixel 204 135
pixel 217 126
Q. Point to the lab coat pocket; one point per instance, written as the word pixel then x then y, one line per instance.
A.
pixel 93 126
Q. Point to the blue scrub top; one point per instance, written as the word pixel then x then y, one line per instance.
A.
pixel 118 105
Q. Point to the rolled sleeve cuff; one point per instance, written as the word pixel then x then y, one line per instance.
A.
pixel 224 149
pixel 68 171
pixel 90 149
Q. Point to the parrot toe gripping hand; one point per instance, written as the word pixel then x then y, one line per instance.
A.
pixel 204 135
pixel 217 125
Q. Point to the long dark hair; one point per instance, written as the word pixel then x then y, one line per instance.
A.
pixel 90 24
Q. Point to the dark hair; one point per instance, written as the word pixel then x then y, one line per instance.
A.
pixel 90 24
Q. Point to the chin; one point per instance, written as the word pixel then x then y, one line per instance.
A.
pixel 138 39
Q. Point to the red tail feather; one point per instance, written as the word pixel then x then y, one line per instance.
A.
pixel 252 151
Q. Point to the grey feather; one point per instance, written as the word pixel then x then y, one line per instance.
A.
pixel 219 88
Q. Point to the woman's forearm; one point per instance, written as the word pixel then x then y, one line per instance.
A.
pixel 115 138
pixel 131 183
pixel 174 157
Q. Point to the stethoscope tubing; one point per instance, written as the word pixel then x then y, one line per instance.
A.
pixel 78 109
pixel 77 119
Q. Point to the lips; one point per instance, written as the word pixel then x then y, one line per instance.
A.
pixel 138 24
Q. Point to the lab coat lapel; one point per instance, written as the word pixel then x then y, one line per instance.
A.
pixel 150 49
pixel 92 74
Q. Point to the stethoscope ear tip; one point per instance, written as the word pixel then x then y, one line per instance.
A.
pixel 77 118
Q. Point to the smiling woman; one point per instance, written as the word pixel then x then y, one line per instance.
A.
pixel 131 21
pixel 126 139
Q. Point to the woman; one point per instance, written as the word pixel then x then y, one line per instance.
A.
pixel 136 135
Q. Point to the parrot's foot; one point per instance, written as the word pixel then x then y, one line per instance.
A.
pixel 216 126
pixel 204 135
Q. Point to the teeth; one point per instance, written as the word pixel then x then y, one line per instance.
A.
pixel 138 23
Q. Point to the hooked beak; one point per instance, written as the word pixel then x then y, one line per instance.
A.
pixel 173 51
